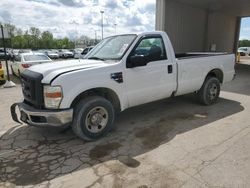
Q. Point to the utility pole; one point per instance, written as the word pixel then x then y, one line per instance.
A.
pixel 102 21
pixel 9 83
pixel 95 36
pixel 115 27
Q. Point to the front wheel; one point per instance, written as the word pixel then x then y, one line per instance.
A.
pixel 210 91
pixel 93 118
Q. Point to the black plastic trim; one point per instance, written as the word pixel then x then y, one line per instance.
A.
pixel 32 88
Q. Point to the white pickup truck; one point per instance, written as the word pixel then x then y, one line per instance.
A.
pixel 120 72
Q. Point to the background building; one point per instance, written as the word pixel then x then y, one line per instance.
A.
pixel 202 25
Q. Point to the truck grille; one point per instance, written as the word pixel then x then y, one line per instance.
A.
pixel 32 88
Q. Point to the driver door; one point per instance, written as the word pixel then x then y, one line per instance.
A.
pixel 155 78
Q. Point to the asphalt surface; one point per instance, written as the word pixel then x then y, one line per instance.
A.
pixel 170 143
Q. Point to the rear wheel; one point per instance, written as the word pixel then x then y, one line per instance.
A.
pixel 210 91
pixel 93 118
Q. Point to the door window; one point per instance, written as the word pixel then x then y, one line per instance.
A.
pixel 152 48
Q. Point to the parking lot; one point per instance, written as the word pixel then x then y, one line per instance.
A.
pixel 170 143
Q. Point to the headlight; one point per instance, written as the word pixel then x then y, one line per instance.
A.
pixel 52 96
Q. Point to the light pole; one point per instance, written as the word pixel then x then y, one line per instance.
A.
pixel 115 27
pixel 95 36
pixel 102 21
pixel 8 83
pixel 75 23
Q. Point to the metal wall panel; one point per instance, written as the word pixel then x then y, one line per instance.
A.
pixel 193 28
pixel 221 31
pixel 186 26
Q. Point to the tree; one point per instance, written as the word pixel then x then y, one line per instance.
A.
pixel 19 32
pixel 33 38
pixel 11 28
pixel 35 34
pixel 47 40
pixel 244 43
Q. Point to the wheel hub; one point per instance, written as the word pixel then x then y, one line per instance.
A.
pixel 96 119
pixel 213 91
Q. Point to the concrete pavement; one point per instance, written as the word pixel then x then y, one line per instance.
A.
pixel 170 143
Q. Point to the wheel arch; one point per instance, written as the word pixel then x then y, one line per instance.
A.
pixel 107 93
pixel 217 73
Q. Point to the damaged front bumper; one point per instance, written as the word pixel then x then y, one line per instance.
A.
pixel 42 118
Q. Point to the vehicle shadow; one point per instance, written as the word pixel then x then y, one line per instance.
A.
pixel 29 155
pixel 241 84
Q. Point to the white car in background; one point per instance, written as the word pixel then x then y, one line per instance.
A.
pixel 22 51
pixel 52 54
pixel 244 51
pixel 25 60
pixel 64 53
pixel 77 52
pixel 15 52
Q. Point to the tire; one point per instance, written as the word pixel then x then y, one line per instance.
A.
pixel 96 109
pixel 210 91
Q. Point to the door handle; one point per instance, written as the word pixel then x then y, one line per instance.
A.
pixel 170 69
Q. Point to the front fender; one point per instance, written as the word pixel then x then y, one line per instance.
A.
pixel 71 95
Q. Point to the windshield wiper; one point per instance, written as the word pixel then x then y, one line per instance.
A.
pixel 96 58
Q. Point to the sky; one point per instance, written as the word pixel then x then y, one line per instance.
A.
pixel 73 18
pixel 245 29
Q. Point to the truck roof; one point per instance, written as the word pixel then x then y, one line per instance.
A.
pixel 140 33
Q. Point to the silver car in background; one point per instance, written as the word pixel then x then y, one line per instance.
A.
pixel 52 54
pixel 64 53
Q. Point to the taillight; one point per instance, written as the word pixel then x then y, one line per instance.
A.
pixel 26 65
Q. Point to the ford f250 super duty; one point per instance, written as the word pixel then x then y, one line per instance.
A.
pixel 120 72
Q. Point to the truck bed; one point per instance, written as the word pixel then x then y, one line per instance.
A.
pixel 197 54
pixel 193 68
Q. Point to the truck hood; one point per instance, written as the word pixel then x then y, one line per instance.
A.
pixel 60 67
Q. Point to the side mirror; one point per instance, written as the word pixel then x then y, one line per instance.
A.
pixel 137 61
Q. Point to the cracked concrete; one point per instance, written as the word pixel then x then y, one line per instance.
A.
pixel 169 143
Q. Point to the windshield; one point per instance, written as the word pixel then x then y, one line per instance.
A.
pixel 111 48
pixel 35 58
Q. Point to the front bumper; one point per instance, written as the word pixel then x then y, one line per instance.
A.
pixel 42 118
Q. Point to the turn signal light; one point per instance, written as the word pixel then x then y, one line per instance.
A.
pixel 53 95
